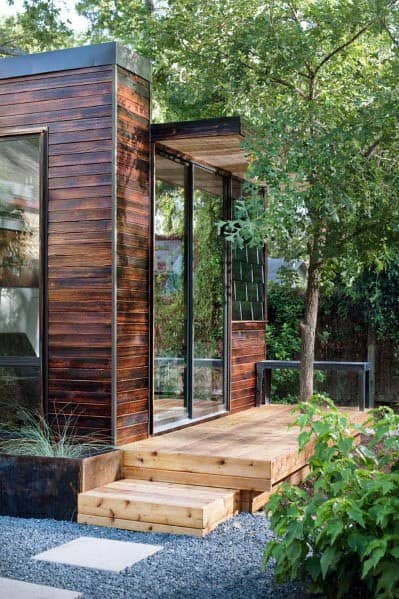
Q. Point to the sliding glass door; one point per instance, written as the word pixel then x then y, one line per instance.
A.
pixel 189 293
pixel 20 258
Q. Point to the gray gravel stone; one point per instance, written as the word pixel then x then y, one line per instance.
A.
pixel 225 564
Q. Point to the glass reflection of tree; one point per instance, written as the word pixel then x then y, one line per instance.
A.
pixel 208 277
pixel 18 265
pixel 19 212
pixel 169 291
pixel 169 296
pixel 169 284
pixel 15 240
pixel 170 210
pixel 208 298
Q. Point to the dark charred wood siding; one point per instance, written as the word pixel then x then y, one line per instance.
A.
pixel 133 249
pixel 247 348
pixel 76 106
pixel 98 194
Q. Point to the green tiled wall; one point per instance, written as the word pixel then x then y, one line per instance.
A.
pixel 248 267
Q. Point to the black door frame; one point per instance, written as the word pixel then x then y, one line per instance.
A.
pixel 189 184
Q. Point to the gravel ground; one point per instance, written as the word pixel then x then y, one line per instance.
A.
pixel 225 564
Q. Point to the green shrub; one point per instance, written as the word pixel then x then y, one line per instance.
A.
pixel 34 436
pixel 285 309
pixel 340 529
pixel 283 340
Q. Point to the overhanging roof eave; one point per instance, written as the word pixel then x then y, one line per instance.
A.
pixel 216 142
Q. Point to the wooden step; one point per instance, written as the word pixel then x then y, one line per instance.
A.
pixel 253 501
pixel 198 478
pixel 157 506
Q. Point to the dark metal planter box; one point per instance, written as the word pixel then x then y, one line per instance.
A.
pixel 44 487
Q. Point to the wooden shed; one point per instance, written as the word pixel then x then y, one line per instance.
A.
pixel 121 306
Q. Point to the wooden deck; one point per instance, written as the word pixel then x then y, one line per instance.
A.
pixel 251 450
pixel 243 457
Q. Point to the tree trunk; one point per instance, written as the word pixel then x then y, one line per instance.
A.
pixel 308 333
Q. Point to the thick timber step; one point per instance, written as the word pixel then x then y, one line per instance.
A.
pixel 157 506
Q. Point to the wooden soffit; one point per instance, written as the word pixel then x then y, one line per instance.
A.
pixel 216 142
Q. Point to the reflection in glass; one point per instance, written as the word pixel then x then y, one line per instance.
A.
pixel 19 274
pixel 208 292
pixel 248 274
pixel 169 294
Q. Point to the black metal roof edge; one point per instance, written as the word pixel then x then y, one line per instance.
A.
pixel 135 63
pixel 75 58
pixel 230 125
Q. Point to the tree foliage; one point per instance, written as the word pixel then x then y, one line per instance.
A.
pixel 318 81
pixel 369 306
pixel 374 296
pixel 38 27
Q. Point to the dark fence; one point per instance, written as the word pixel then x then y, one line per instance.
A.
pixel 344 341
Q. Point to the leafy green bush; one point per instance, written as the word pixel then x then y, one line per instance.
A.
pixel 340 529
pixel 285 309
pixel 283 340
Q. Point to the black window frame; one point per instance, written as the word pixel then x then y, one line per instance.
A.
pixel 42 360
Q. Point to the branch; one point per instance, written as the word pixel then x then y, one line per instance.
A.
pixel 306 75
pixel 297 19
pixel 289 85
pixel 283 82
pixel 389 32
pixel 343 46
pixel 294 13
pixel 371 149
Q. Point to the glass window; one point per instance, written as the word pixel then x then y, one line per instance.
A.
pixel 169 294
pixel 208 294
pixel 19 274
pixel 189 294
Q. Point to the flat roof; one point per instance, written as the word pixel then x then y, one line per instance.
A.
pixel 75 58
pixel 216 141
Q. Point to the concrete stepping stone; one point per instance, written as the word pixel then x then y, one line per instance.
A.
pixel 99 554
pixel 18 589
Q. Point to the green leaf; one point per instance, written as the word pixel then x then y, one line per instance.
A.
pixel 314 567
pixel 328 559
pixel 334 529
pixel 375 556
pixel 356 514
pixel 388 580
pixel 304 438
pixel 359 542
pixel 294 550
